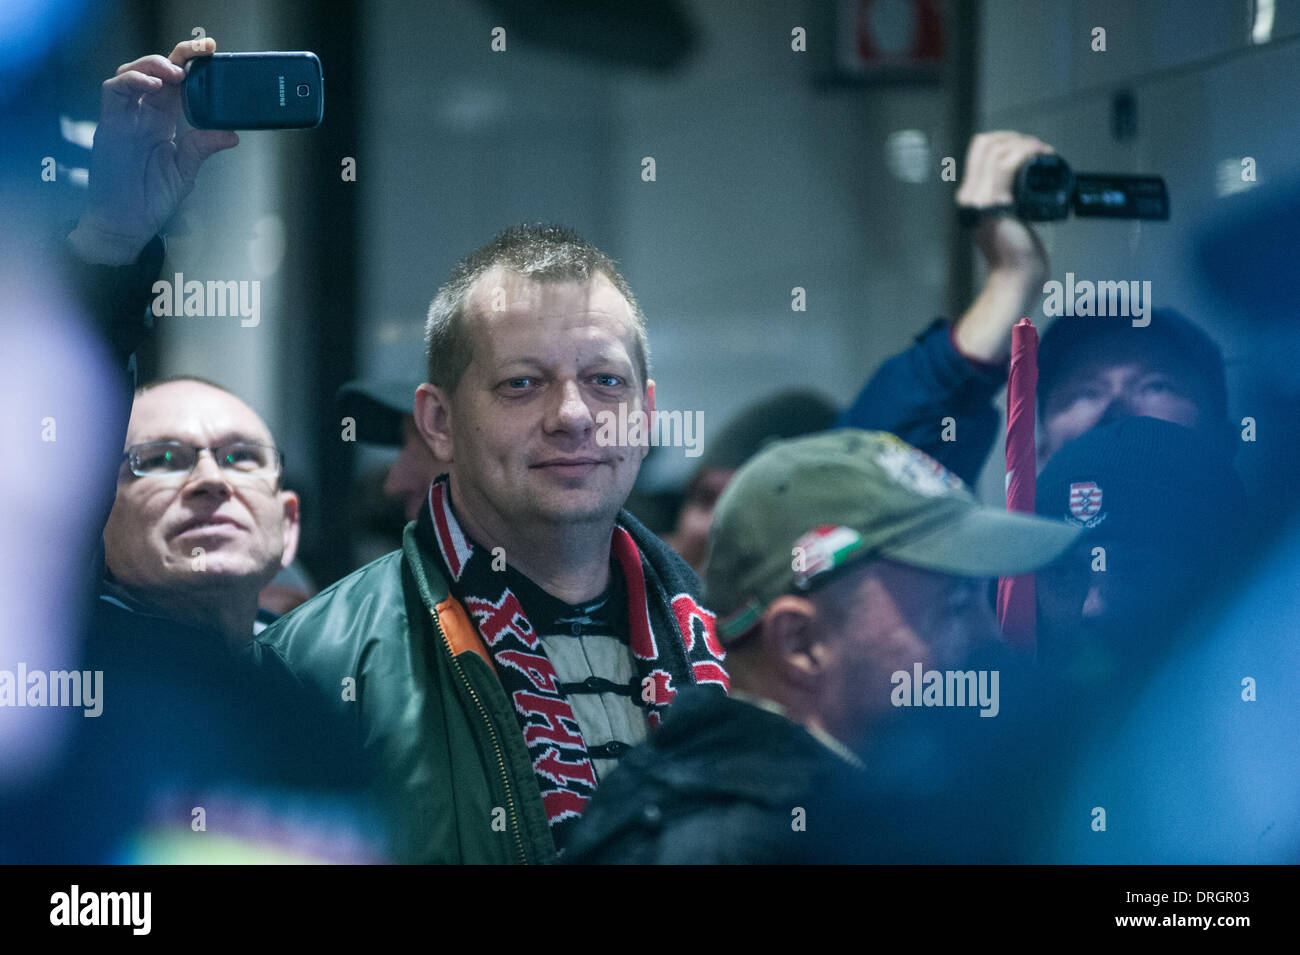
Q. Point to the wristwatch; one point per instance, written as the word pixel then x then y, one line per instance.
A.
pixel 972 216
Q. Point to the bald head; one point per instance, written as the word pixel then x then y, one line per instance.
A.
pixel 193 403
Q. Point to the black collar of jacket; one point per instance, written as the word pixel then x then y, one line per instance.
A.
pixel 113 594
pixel 713 744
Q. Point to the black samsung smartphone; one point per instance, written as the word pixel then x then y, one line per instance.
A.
pixel 254 91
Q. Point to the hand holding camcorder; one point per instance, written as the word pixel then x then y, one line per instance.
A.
pixel 1044 188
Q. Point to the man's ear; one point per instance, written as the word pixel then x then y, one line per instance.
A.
pixel 433 420
pixel 793 641
pixel 292 526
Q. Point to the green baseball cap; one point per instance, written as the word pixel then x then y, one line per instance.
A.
pixel 804 508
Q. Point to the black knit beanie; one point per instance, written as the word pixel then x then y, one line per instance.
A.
pixel 1071 339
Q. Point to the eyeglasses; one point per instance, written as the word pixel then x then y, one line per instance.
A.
pixel 172 459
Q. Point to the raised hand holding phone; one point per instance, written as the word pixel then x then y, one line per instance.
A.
pixel 145 157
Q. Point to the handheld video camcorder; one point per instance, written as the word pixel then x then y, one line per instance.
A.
pixel 1046 188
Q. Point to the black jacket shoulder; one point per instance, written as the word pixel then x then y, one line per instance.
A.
pixel 721 782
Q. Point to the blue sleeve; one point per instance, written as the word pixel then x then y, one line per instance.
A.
pixel 114 303
pixel 115 298
pixel 912 392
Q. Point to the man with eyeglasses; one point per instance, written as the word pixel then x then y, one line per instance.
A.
pixel 200 522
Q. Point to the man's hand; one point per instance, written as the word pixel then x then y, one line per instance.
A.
pixel 1016 259
pixel 145 157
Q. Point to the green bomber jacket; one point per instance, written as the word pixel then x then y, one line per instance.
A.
pixel 392 648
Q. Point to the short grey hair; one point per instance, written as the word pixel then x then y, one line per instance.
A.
pixel 542 253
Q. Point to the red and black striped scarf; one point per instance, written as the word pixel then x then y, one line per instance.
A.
pixel 672 638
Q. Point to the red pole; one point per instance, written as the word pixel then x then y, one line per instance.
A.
pixel 1017 604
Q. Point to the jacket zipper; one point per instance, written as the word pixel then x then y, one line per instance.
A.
pixel 496 744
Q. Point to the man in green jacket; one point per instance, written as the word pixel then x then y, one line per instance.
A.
pixel 529 631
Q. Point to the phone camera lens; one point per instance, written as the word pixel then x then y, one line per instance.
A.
pixel 304 89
